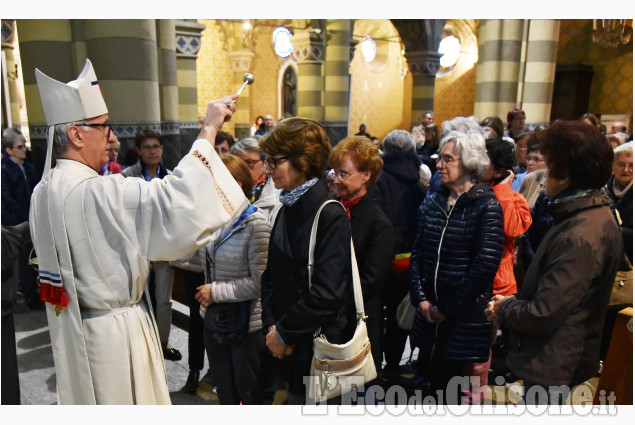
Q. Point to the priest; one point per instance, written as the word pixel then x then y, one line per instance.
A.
pixel 96 235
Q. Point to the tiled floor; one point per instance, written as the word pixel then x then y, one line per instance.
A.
pixel 37 373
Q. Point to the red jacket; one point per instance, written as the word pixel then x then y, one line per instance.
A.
pixel 517 219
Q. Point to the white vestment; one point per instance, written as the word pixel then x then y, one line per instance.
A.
pixel 106 230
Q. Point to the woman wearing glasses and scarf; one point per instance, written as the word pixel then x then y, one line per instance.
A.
pixel 297 150
pixel 356 166
pixel 454 260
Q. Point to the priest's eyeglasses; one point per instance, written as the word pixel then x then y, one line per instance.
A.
pixel 101 125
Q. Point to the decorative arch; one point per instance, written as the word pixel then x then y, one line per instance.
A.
pixel 288 67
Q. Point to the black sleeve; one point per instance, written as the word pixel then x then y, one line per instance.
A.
pixel 266 287
pixel 320 304
pixel 375 258
pixel 416 257
pixel 10 205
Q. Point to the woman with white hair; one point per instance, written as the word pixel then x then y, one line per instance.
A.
pixel 620 188
pixel 454 260
pixel 263 193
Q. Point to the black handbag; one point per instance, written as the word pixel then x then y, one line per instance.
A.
pixel 227 323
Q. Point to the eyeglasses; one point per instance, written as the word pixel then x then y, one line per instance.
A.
pixel 447 159
pixel 101 125
pixel 251 162
pixel 21 147
pixel 273 162
pixel 151 147
pixel 535 159
pixel 342 175
pixel 628 166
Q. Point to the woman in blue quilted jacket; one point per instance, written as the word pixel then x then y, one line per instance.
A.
pixel 454 260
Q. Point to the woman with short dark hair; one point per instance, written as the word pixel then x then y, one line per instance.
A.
pixel 555 319
pixel 495 124
pixel 515 123
pixel 293 308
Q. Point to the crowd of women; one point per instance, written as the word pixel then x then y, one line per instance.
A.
pixel 514 234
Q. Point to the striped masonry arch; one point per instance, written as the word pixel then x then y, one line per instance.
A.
pixel 497 72
pixel 308 52
pixel 540 70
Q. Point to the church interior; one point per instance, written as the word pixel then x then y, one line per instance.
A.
pixel 161 73
pixel 383 73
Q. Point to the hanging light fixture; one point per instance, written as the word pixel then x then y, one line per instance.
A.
pixel 611 32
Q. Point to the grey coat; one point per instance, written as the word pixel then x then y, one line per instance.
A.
pixel 269 201
pixel 236 263
pixel 136 170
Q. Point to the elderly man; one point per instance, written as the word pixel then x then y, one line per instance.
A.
pixel 95 237
pixel 418 131
pixel 620 189
pixel 266 126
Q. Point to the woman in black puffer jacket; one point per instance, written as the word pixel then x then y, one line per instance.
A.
pixel 455 258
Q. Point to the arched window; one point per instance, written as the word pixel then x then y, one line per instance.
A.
pixel 282 43
pixel 369 48
pixel 450 50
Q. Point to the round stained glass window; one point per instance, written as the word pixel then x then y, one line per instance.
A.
pixel 369 48
pixel 450 50
pixel 282 41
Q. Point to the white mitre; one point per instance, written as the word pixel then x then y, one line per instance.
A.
pixel 75 101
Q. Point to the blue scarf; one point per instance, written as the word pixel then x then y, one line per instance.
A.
pixel 289 198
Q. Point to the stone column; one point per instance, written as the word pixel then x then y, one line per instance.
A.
pixel 44 44
pixel 308 51
pixel 497 72
pixel 540 69
pixel 188 43
pixel 423 66
pixel 337 79
pixel 240 62
pixel 168 92
pixel 12 113
pixel 124 54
